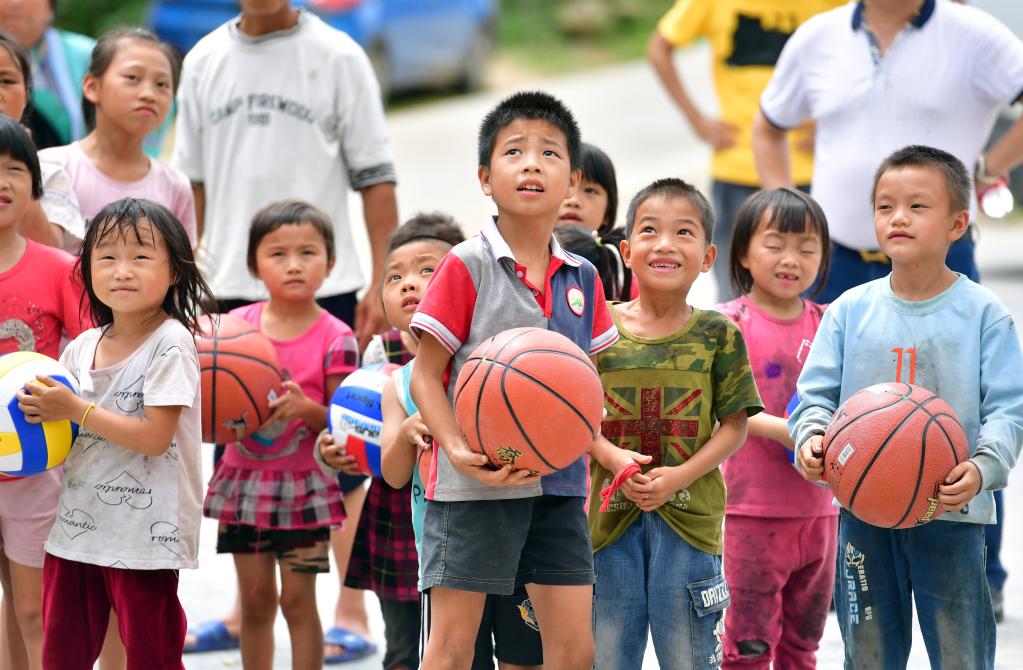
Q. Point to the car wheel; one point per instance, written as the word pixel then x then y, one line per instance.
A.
pixel 381 63
pixel 474 71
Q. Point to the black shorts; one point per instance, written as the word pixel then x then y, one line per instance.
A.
pixel 496 546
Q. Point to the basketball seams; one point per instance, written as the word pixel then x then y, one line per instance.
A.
pixel 483 384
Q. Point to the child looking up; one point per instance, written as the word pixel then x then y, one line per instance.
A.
pixel 528 158
pixel 678 391
pixel 130 499
pixel 126 94
pixel 275 506
pixel 779 531
pixel 926 325
pixel 40 303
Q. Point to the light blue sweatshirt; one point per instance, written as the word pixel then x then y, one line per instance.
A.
pixel 962 344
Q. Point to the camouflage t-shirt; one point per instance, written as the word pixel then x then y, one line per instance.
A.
pixel 663 398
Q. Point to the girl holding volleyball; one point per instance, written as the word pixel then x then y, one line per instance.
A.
pixel 129 510
pixel 275 507
pixel 780 531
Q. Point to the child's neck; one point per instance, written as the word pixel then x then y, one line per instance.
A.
pixel 779 308
pixel 116 153
pixel 12 248
pixel 256 26
pixel 655 314
pixel 920 282
pixel 125 335
pixel 288 319
pixel 530 243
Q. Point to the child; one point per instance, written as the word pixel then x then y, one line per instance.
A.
pixel 604 253
pixel 53 220
pixel 273 503
pixel 40 303
pixel 779 531
pixel 674 373
pixel 127 94
pixel 595 202
pixel 929 326
pixel 528 155
pixel 129 503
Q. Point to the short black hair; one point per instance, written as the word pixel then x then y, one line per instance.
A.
pixel 124 217
pixel 20 58
pixel 16 143
pixel 597 167
pixel 287 213
pixel 107 47
pixel 790 210
pixel 672 187
pixel 426 227
pixel 530 105
pixel 958 182
pixel 603 251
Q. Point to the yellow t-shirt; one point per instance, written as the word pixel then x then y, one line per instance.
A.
pixel 747 37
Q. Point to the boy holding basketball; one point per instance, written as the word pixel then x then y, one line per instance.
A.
pixel 677 389
pixel 485 530
pixel 928 326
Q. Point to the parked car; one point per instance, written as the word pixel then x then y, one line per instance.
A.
pixel 412 43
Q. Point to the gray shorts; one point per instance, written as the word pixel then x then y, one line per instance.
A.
pixel 496 546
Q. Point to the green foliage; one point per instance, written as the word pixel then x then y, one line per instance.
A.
pixel 94 17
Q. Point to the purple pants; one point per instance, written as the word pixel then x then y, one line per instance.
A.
pixel 780 573
pixel 77 599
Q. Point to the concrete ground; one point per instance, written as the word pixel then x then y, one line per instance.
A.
pixel 624 111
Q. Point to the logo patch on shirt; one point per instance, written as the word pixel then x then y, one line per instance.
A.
pixel 576 300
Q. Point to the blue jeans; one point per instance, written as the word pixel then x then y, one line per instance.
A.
pixel 993 538
pixel 939 566
pixel 848 269
pixel 652 579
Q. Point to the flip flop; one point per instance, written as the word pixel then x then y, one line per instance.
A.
pixel 210 636
pixel 356 647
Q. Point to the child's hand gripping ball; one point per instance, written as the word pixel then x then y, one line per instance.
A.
pixel 240 375
pixel 531 398
pixel 354 418
pixel 28 446
pixel 887 451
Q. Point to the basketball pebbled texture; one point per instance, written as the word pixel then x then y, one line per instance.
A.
pixel 531 398
pixel 887 450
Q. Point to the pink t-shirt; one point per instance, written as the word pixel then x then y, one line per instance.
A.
pixel 328 348
pixel 759 477
pixel 39 300
pixel 164 185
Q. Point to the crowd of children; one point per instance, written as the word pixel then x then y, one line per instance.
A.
pixel 685 523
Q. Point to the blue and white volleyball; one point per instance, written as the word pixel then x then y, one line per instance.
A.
pixel 354 417
pixel 29 448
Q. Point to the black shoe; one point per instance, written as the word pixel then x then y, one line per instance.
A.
pixel 998 604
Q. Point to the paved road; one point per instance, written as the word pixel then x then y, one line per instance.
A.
pixel 622 110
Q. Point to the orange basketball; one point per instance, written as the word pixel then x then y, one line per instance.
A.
pixel 529 397
pixel 886 451
pixel 240 374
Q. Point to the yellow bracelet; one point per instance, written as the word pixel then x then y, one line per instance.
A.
pixel 86 415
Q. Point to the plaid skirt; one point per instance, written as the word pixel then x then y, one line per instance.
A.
pixel 384 558
pixel 274 498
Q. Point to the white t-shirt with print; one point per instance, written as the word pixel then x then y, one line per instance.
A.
pixel 118 507
pixel 295 114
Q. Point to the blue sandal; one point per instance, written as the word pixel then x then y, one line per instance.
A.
pixel 210 636
pixel 355 646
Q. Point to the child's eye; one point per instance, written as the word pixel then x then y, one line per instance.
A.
pixel 772 247
pixel 685 231
pixel 550 152
pixel 647 229
pixel 918 205
pixel 426 271
pixel 513 152
pixel 393 278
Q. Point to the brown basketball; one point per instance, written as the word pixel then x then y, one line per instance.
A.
pixel 886 451
pixel 529 397
pixel 240 374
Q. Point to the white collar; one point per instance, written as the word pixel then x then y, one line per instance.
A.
pixel 492 234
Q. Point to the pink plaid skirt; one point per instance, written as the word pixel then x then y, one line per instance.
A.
pixel 274 498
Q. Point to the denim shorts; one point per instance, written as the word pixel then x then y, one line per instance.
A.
pixel 652 581
pixel 495 546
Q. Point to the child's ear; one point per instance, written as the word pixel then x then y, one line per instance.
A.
pixel 330 265
pixel 959 226
pixel 90 88
pixel 573 182
pixel 484 176
pixel 623 246
pixel 708 256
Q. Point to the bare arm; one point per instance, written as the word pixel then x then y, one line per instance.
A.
pixel 771 151
pixel 199 195
pixel 380 209
pixel 397 455
pixel 1007 152
pixel 772 427
pixel 717 133
pixel 35 226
